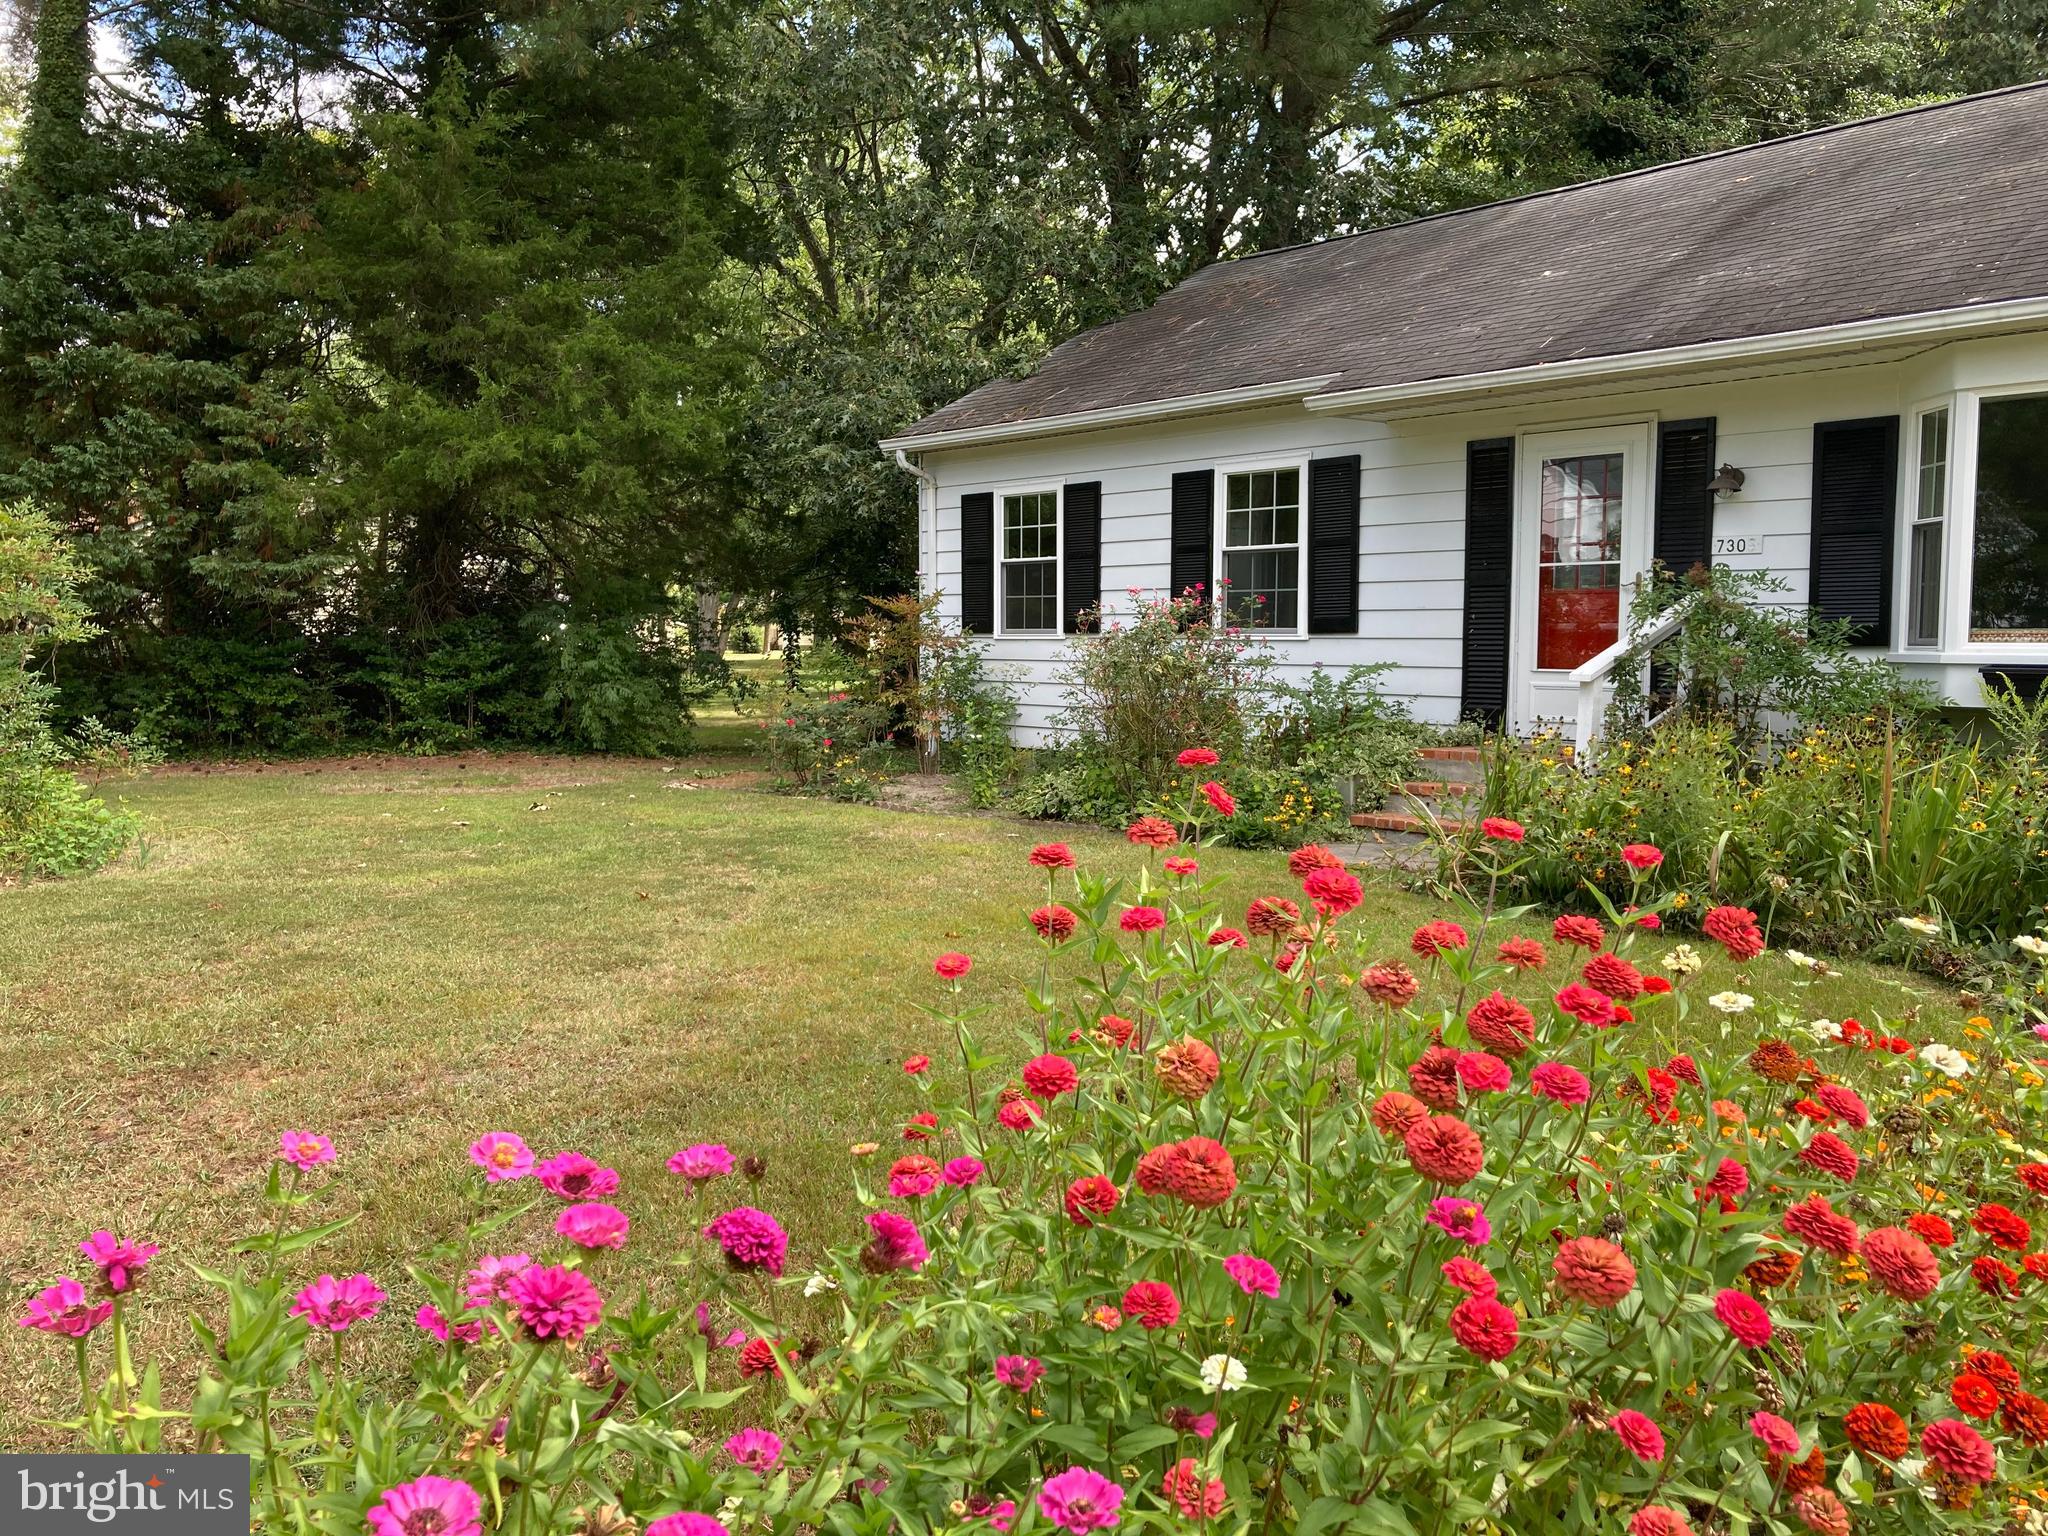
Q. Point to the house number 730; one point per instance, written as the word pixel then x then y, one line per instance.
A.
pixel 1745 544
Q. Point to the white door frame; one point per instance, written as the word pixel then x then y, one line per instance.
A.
pixel 1537 696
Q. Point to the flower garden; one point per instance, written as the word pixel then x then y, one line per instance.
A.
pixel 1272 1230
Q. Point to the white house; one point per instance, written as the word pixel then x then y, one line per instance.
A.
pixel 1452 444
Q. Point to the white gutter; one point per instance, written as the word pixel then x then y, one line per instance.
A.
pixel 1926 325
pixel 1117 415
pixel 926 481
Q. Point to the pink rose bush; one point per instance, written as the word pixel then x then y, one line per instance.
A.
pixel 1251 1232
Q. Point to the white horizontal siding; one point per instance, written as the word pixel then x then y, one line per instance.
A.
pixel 1412 488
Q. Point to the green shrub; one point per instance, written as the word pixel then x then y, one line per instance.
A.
pixel 830 744
pixel 50 824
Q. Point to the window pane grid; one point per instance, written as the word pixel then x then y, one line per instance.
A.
pixel 1031 569
pixel 1262 549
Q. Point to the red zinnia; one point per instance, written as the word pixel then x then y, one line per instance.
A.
pixel 1054 922
pixel 1198 757
pixel 1093 1195
pixel 1394 1112
pixel 1845 1103
pixel 1642 856
pixel 1735 930
pixel 1052 856
pixel 1390 983
pixel 1444 1150
pixel 1152 832
pixel 1586 1005
pixel 1436 938
pixel 1309 858
pixel 1502 830
pixel 1973 1395
pixel 1996 1369
pixel 757 1358
pixel 1656 986
pixel 1271 917
pixel 1730 1179
pixel 1686 1070
pixel 2034 1176
pixel 1831 1155
pixel 2003 1226
pixel 1994 1277
pixel 1613 976
pixel 1485 1327
pixel 1152 1303
pixel 952 965
pixel 1585 932
pixel 1816 1222
pixel 1745 1317
pixel 1219 799
pixel 1522 954
pixel 1142 920
pixel 1593 1270
pixel 1434 1078
pixel 1900 1263
pixel 1931 1227
pixel 1959 1451
pixel 2025 1417
pixel 1226 938
pixel 1658 1520
pixel 1200 1173
pixel 1117 1027
pixel 1050 1076
pixel 1501 1024
pixel 921 1126
pixel 1333 891
pixel 1877 1431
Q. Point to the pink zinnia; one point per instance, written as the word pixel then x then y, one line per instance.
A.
pixel 1586 1005
pixel 304 1150
pixel 335 1304
pixel 502 1156
pixel 554 1302
pixel 1485 1327
pixel 1436 938
pixel 1078 1500
pixel 1047 1077
pixel 758 1450
pixel 1219 799
pixel 1254 1276
pixel 952 965
pixel 1775 1434
pixel 1142 920
pixel 1020 1373
pixel 427 1506
pixel 751 1239
pixel 573 1176
pixel 64 1308
pixel 1460 1219
pixel 1474 1279
pixel 1745 1317
pixel 593 1224
pixel 1333 892
pixel 120 1260
pixel 1563 1084
pixel 913 1177
pixel 1639 1432
pixel 430 1319
pixel 703 1162
pixel 493 1272
pixel 963 1172
pixel 686 1523
pixel 1198 757
pixel 1482 1072
pixel 897 1244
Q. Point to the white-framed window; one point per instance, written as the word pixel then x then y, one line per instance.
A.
pixel 1028 594
pixel 1924 538
pixel 2009 520
pixel 1975 524
pixel 1259 555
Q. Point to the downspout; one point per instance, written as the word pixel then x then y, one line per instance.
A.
pixel 928 742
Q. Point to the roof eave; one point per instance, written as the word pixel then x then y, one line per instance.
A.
pixel 1946 324
pixel 1137 413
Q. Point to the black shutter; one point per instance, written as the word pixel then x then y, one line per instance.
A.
pixel 1685 507
pixel 1194 533
pixel 1081 555
pixel 1684 534
pixel 1489 573
pixel 1333 546
pixel 1855 497
pixel 978 562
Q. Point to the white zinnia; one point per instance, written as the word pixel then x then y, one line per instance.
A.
pixel 1683 961
pixel 1945 1059
pixel 1926 927
pixel 817 1285
pixel 1220 1373
pixel 1824 1029
pixel 1732 1002
pixel 2037 947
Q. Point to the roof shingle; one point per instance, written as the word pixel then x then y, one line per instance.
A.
pixel 1933 208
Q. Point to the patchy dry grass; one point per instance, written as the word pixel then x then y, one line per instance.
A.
pixel 402 954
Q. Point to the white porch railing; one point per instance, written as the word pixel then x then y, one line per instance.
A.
pixel 1592 677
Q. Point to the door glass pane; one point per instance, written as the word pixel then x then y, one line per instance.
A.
pixel 1578 560
pixel 2009 574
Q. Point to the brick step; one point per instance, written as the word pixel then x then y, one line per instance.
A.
pixel 1439 789
pixel 1449 754
pixel 1452 765
pixel 1394 821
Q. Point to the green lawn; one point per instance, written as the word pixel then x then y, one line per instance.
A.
pixel 606 956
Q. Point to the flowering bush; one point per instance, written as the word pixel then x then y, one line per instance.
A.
pixel 1267 1231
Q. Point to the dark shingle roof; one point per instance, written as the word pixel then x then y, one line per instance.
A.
pixel 1928 209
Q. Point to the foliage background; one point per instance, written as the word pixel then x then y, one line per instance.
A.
pixel 428 375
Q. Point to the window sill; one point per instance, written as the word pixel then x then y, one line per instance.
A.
pixel 2020 653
